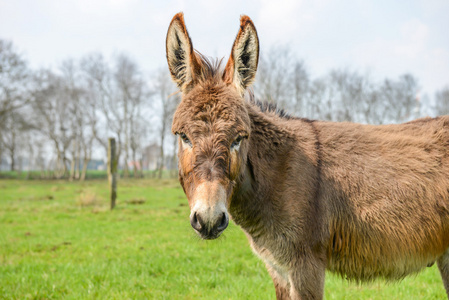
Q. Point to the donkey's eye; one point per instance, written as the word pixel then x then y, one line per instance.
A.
pixel 236 143
pixel 185 139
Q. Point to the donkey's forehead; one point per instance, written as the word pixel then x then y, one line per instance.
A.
pixel 211 107
pixel 213 98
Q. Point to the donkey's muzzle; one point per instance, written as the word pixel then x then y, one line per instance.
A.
pixel 208 214
pixel 209 229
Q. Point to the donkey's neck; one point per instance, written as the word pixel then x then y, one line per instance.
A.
pixel 279 151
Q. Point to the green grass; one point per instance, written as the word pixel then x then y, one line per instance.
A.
pixel 60 240
pixel 90 174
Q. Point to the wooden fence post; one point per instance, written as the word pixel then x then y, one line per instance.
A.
pixel 112 170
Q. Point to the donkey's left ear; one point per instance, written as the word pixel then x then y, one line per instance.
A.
pixel 182 60
pixel 242 64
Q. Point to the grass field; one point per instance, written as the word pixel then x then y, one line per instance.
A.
pixel 90 174
pixel 60 240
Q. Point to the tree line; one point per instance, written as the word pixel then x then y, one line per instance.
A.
pixel 343 94
pixel 57 120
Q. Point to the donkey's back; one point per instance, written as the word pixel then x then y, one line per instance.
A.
pixel 386 193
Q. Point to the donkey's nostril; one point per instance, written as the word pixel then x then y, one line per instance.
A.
pixel 223 222
pixel 195 221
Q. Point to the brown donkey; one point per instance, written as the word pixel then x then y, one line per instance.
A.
pixel 360 200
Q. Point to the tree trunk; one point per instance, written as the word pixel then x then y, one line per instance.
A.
pixel 174 170
pixel 136 166
pixel 112 171
pixel 19 169
pixel 12 150
pixel 77 161
pixel 141 168
pixel 13 161
pixel 31 163
pixel 60 166
pixel 72 169
pixel 84 170
pixel 125 169
pixel 161 161
pixel 161 154
pixel 1 146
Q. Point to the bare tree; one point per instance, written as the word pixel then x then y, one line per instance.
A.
pixel 117 95
pixel 131 92
pixel 399 98
pixel 14 93
pixel 14 80
pixel 99 79
pixel 274 76
pixel 52 110
pixel 138 135
pixel 442 102
pixel 81 118
pixel 70 80
pixel 350 91
pixel 167 100
pixel 14 137
pixel 301 88
pixel 89 132
pixel 320 100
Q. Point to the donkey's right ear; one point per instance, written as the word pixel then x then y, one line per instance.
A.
pixel 242 64
pixel 181 57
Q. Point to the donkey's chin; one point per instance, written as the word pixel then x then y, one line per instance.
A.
pixel 209 236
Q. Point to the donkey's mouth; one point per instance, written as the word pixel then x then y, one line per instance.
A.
pixel 210 236
pixel 209 232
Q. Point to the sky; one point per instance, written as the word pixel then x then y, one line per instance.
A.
pixel 381 37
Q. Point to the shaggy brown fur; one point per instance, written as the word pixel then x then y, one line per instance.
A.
pixel 360 200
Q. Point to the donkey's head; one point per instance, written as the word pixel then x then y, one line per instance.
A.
pixel 211 121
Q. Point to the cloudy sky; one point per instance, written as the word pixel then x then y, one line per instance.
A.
pixel 383 37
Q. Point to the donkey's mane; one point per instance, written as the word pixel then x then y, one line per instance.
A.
pixel 269 107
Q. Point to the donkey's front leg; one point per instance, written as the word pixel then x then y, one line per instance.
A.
pixel 307 277
pixel 280 284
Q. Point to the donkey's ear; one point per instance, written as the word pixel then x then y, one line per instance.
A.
pixel 242 64
pixel 181 57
